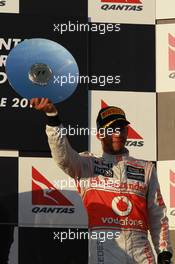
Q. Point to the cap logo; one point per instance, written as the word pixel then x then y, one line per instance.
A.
pixel 112 111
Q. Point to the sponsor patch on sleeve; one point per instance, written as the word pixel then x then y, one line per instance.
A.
pixel 135 173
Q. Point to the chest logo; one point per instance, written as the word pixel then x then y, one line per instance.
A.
pixel 121 205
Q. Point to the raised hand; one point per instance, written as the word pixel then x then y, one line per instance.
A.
pixel 43 104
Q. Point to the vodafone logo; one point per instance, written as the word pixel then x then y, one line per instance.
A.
pixel 121 5
pixel 44 193
pixel 134 139
pixel 121 205
pixel 171 55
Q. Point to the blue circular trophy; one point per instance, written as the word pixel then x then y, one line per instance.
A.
pixel 42 68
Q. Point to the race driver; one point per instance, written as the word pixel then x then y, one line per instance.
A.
pixel 121 194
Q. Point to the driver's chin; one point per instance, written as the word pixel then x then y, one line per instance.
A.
pixel 118 146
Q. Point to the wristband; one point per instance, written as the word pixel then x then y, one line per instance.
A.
pixel 53 120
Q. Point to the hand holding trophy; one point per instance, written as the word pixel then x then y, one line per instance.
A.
pixel 44 104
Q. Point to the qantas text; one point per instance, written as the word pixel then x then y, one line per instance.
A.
pixel 108 7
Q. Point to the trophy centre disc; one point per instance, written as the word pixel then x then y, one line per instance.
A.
pixel 40 73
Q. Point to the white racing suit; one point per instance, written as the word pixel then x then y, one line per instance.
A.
pixel 122 198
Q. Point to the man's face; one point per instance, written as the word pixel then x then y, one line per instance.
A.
pixel 114 138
